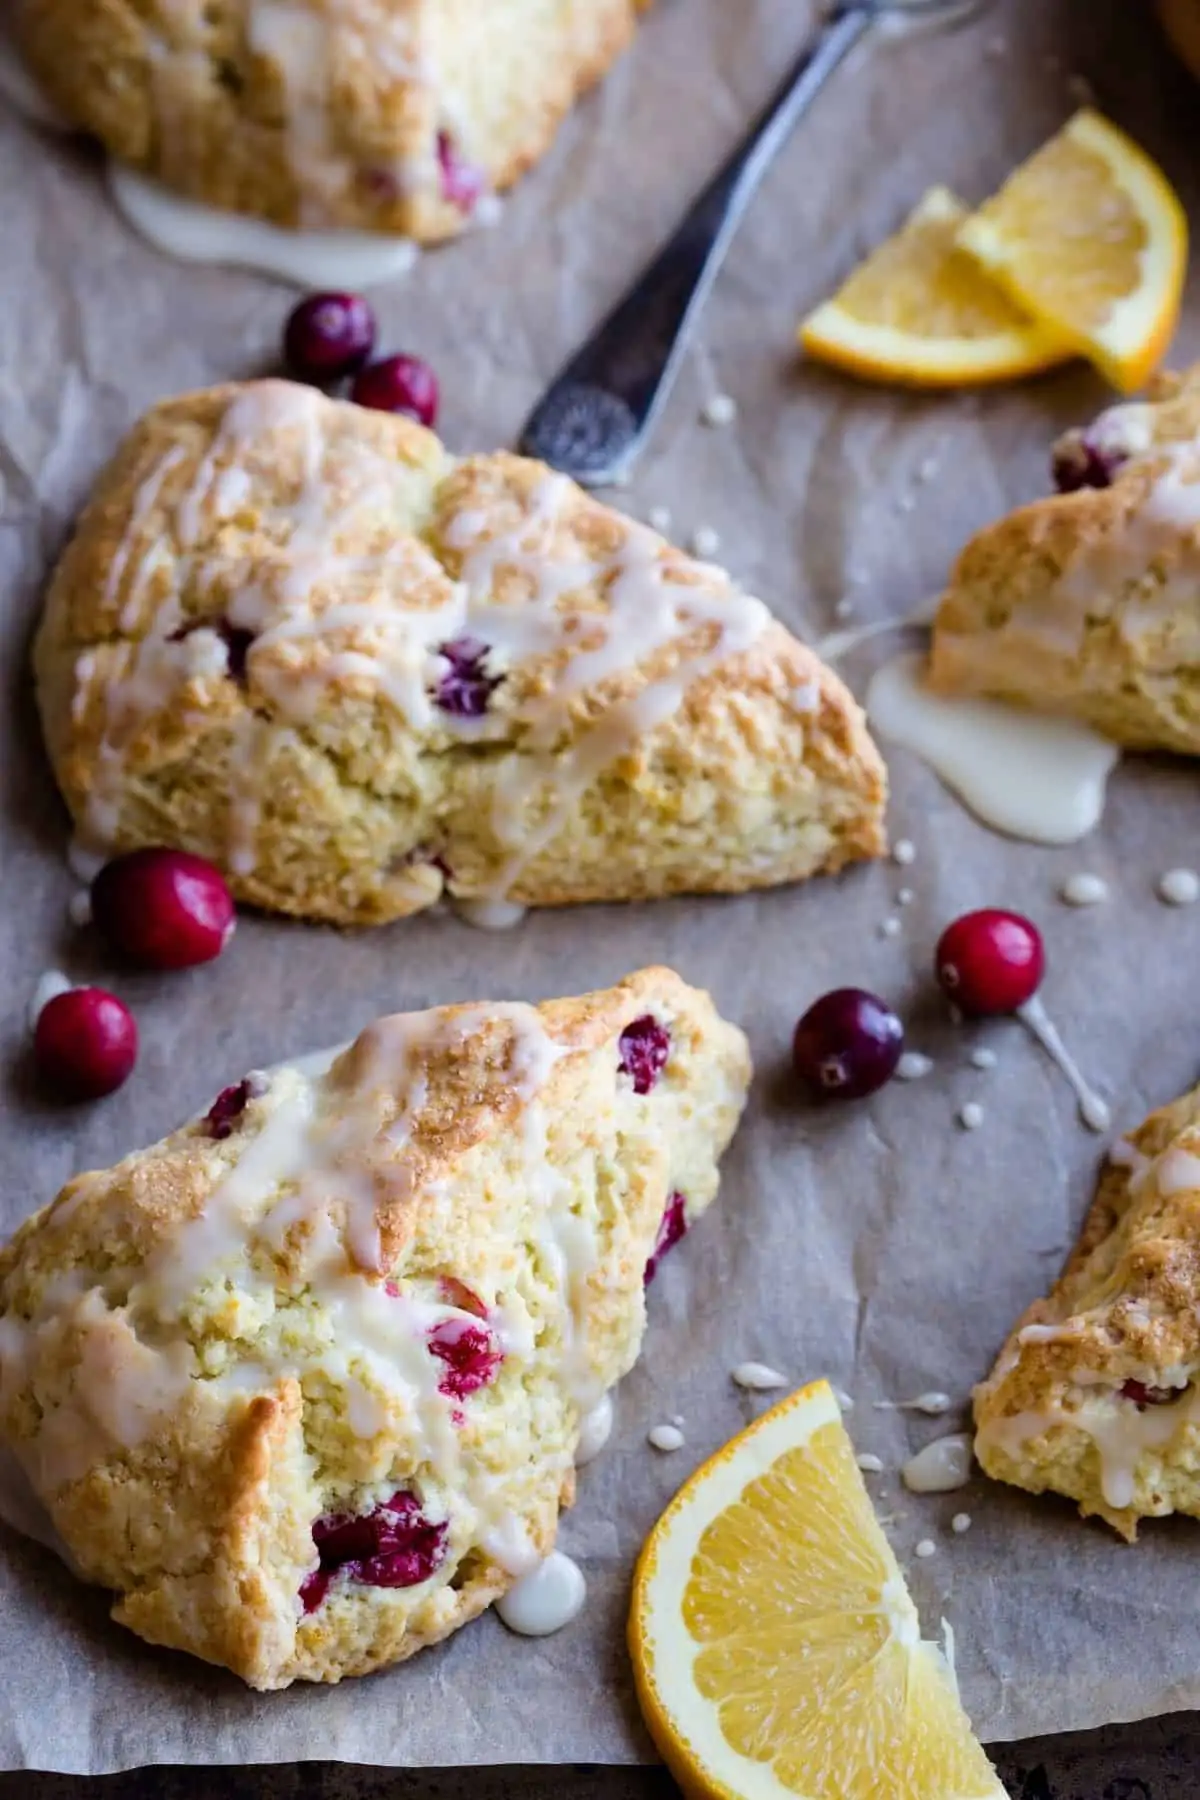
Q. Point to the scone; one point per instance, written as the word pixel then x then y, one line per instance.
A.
pixel 1094 1395
pixel 1181 22
pixel 1088 603
pixel 302 1384
pixel 299 638
pixel 386 115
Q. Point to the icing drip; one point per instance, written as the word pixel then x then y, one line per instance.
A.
pixel 651 615
pixel 1121 1432
pixel 545 1599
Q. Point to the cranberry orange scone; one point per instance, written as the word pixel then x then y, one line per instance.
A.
pixel 388 115
pixel 303 1383
pixel 300 639
pixel 1095 1394
pixel 1085 603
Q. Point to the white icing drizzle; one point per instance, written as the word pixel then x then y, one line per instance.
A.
pixel 595 1429
pixel 982 1058
pixel 970 1116
pixel 1177 1171
pixel 490 915
pixel 665 1438
pixel 869 1463
pixel 960 1523
pixel 757 1377
pixel 940 1467
pixel 1025 775
pixel 925 1548
pixel 840 643
pixel 545 1599
pixel 649 610
pixel 1092 1109
pixel 914 1065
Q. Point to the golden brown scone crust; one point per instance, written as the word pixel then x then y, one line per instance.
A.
pixel 1126 1309
pixel 1087 604
pixel 323 112
pixel 241 655
pixel 223 1340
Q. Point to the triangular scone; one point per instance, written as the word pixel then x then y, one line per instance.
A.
pixel 304 1382
pixel 393 116
pixel 299 638
pixel 1088 603
pixel 1095 1393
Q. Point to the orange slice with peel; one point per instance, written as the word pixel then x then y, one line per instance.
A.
pixel 776 1651
pixel 920 312
pixel 1090 237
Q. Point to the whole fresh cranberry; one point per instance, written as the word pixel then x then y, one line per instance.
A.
pixel 399 384
pixel 394 1546
pixel 163 909
pixel 462 182
pixel 470 1353
pixel 847 1044
pixel 85 1043
pixel 990 961
pixel 1143 1396
pixel 644 1047
pixel 466 688
pixel 328 336
pixel 672 1227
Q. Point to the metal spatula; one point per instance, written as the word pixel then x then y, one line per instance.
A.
pixel 596 416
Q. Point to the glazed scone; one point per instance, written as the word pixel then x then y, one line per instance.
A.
pixel 303 1383
pixel 1095 1393
pixel 1086 604
pixel 385 115
pixel 299 638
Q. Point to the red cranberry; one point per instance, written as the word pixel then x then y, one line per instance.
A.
pixel 644 1047
pixel 456 1293
pixel 990 961
pixel 466 688
pixel 462 182
pixel 227 1109
pixel 672 1227
pixel 847 1044
pixel 394 1546
pixel 328 336
pixel 85 1043
pixel 470 1353
pixel 1079 462
pixel 163 909
pixel 1143 1396
pixel 399 384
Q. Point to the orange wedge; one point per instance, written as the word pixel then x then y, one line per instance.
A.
pixel 920 312
pixel 776 1650
pixel 1090 237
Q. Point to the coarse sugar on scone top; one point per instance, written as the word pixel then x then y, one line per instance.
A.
pixel 302 1384
pixel 390 115
pixel 1094 1395
pixel 297 637
pixel 1083 603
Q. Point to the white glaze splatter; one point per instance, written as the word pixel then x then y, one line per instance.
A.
pixel 925 1548
pixel 705 542
pixel 1083 889
pixel 970 1116
pixel 982 1058
pixel 758 1377
pixel 904 852
pixel 193 232
pixel 47 987
pixel 940 1467
pixel 890 928
pixel 1027 776
pixel 869 1463
pixel 914 1065
pixel 1092 1109
pixel 1179 887
pixel 546 1599
pixel 934 1403
pixel 960 1523
pixel 489 914
pixel 721 409
pixel 665 1437
pixel 659 519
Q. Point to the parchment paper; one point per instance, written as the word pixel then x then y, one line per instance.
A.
pixel 880 1245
